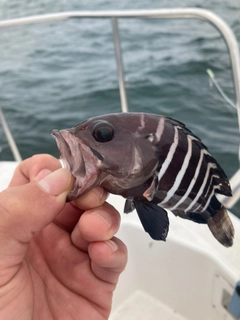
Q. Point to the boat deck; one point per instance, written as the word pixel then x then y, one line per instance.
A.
pixel 6 171
pixel 142 306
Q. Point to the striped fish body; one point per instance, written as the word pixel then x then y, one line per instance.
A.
pixel 155 162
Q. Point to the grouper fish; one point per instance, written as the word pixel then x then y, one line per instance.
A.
pixel 153 161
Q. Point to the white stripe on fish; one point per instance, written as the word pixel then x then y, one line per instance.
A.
pixel 208 195
pixel 207 203
pixel 170 155
pixel 210 165
pixel 160 129
pixel 182 171
pixel 195 177
pixel 142 122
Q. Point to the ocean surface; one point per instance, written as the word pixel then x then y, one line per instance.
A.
pixel 54 75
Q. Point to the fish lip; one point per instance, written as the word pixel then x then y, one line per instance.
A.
pixel 76 157
pixel 64 149
pixel 70 154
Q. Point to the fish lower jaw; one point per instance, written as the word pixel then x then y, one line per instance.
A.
pixel 83 185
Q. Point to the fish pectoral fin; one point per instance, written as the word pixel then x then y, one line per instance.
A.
pixel 154 219
pixel 150 192
pixel 129 206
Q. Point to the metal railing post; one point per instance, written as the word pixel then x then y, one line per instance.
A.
pixel 9 137
pixel 119 62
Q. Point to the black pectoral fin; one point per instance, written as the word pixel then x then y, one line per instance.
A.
pixel 154 219
pixel 129 206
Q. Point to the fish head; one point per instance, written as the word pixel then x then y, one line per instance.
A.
pixel 109 151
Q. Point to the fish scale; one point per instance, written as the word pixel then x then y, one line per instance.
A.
pixel 153 161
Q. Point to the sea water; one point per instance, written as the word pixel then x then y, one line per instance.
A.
pixel 54 75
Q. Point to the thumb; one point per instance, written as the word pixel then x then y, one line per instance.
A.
pixel 27 209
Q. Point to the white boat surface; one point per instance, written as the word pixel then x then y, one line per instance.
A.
pixel 190 276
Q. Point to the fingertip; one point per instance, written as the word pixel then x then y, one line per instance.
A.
pixel 98 191
pixel 56 182
pixel 92 199
pixel 39 162
pixel 112 244
pixel 42 174
pixel 99 224
pixel 94 226
pixel 110 254
pixel 28 169
pixel 102 252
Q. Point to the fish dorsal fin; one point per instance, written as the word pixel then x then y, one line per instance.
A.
pixel 220 180
pixel 154 219
pixel 149 193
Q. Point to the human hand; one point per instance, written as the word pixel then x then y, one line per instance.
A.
pixel 58 260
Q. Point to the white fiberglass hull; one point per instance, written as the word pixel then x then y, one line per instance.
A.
pixel 190 274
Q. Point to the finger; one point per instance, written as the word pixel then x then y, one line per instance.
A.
pixel 109 259
pixel 92 199
pixel 72 212
pixel 35 169
pixel 97 224
pixel 36 166
pixel 27 209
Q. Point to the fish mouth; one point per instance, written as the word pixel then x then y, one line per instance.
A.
pixel 77 157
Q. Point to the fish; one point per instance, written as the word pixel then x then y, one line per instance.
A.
pixel 155 162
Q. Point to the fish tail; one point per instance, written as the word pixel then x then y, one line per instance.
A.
pixel 221 227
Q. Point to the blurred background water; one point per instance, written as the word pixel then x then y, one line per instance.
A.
pixel 55 75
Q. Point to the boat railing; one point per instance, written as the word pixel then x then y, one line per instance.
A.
pixel 185 13
pixel 10 139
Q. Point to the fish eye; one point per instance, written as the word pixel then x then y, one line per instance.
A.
pixel 103 131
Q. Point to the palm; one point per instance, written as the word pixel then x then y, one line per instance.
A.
pixel 62 280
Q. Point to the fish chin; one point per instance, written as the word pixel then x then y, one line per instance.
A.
pixel 77 157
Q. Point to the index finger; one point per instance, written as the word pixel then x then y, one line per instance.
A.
pixel 29 169
pixel 32 168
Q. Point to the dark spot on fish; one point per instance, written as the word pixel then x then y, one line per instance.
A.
pixel 97 154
